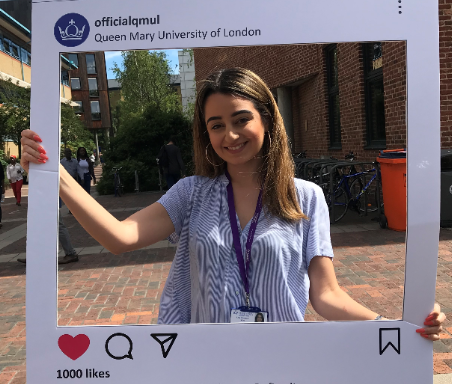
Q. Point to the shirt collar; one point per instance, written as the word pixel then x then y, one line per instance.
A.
pixel 223 179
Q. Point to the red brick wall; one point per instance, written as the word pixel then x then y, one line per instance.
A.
pixel 277 65
pixel 352 101
pixel 394 81
pixel 445 54
pixel 310 109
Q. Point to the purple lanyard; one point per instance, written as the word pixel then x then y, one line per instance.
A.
pixel 236 237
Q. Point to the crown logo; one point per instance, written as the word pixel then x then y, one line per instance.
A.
pixel 72 32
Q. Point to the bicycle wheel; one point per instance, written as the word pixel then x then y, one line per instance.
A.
pixel 340 204
pixel 368 196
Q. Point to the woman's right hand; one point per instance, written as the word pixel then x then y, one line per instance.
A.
pixel 32 150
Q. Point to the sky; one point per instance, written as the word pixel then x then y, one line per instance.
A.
pixel 115 56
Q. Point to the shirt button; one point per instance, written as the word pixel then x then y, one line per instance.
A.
pixel 236 292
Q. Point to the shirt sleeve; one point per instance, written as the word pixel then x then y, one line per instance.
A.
pixel 176 202
pixel 318 226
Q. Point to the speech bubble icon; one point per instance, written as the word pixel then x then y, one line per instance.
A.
pixel 119 345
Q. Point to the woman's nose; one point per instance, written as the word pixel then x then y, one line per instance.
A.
pixel 231 133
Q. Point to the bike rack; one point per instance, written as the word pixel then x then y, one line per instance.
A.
pixel 299 166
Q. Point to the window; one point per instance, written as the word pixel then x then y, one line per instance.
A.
pixel 78 109
pixel 334 117
pixel 95 110
pixel 25 56
pixel 6 46
pixel 65 77
pixel 73 57
pixel 90 64
pixel 75 83
pixel 374 93
pixel 14 50
pixel 92 85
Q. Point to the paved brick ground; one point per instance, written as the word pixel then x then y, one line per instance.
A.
pixel 106 289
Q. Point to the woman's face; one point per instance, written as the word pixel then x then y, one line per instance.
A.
pixel 259 319
pixel 235 128
pixel 82 152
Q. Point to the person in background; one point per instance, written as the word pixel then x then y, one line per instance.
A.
pixel 170 159
pixel 65 241
pixel 69 163
pixel 14 174
pixel 85 169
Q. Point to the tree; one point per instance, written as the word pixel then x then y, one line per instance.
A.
pixel 145 81
pixel 15 117
pixel 73 132
pixel 14 111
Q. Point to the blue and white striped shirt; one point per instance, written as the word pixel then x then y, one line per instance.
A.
pixel 204 282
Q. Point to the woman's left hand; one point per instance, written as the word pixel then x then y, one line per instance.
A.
pixel 433 324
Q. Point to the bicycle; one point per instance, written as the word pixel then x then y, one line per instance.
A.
pixel 373 197
pixel 350 195
pixel 118 187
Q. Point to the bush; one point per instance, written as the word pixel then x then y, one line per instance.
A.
pixel 137 145
pixel 127 173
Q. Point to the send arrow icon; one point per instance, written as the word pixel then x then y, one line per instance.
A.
pixel 166 341
pixel 389 337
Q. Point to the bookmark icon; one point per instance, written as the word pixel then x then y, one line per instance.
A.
pixel 389 337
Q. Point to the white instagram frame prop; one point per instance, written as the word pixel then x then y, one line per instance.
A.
pixel 331 352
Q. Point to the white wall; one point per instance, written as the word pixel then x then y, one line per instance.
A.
pixel 187 77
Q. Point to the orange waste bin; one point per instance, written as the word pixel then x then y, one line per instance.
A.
pixel 393 180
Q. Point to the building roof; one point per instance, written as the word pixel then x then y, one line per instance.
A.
pixel 12 25
pixel 68 64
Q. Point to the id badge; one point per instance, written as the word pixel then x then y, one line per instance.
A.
pixel 248 315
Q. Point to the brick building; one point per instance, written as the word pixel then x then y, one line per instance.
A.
pixel 343 97
pixel 89 89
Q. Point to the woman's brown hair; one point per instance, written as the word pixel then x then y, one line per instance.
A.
pixel 277 172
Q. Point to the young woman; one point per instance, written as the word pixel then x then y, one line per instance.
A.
pixel 14 173
pixel 251 237
pixel 85 169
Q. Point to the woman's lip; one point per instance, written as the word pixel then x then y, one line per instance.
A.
pixel 238 149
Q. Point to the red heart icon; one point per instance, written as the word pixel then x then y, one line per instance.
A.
pixel 73 347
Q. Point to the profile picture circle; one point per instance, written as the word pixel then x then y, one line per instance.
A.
pixel 71 29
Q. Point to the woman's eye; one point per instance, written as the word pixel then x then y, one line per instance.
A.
pixel 243 120
pixel 216 126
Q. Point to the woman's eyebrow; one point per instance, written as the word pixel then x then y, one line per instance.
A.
pixel 239 112
pixel 234 114
pixel 213 118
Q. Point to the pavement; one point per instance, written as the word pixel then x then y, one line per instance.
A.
pixel 104 289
